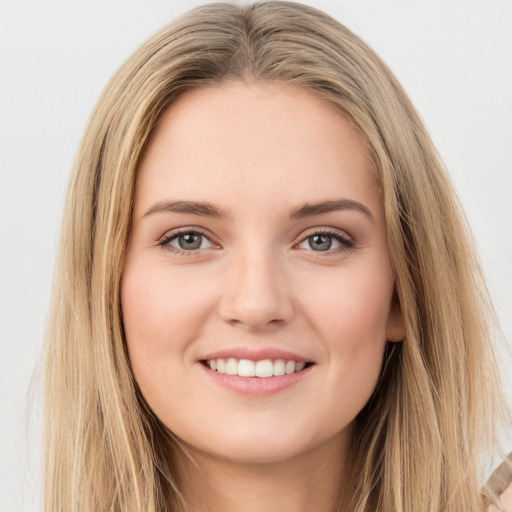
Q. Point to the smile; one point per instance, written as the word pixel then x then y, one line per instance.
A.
pixel 264 368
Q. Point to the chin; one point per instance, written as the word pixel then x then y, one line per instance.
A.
pixel 250 452
pixel 262 444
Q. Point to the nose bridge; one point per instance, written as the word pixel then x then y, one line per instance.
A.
pixel 256 294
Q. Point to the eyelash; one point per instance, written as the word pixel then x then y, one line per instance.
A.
pixel 346 243
pixel 169 237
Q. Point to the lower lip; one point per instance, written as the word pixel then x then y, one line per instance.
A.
pixel 257 386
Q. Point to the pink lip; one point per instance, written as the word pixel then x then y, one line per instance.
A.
pixel 256 386
pixel 255 354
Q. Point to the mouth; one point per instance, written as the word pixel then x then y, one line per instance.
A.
pixel 262 369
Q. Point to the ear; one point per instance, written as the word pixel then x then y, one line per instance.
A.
pixel 395 326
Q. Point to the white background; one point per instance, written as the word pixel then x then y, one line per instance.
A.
pixel 453 57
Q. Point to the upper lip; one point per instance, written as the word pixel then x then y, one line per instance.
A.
pixel 255 354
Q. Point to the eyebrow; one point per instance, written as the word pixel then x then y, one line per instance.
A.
pixel 205 209
pixel 201 208
pixel 311 209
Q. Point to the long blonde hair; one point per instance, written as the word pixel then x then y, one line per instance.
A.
pixel 419 440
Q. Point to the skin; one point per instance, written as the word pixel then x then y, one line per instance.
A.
pixel 505 500
pixel 257 151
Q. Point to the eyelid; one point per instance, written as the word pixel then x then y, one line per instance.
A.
pixel 328 231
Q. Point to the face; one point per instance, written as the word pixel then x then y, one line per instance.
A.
pixel 257 290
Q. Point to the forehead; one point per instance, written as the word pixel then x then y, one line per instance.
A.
pixel 265 141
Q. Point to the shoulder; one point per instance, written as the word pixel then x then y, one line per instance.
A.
pixel 505 501
pixel 500 484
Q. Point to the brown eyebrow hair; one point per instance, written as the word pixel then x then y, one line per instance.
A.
pixel 206 209
pixel 310 209
pixel 201 208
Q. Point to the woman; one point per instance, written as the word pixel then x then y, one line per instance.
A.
pixel 217 344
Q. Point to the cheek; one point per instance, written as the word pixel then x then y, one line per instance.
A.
pixel 351 309
pixel 162 315
pixel 159 306
pixel 350 318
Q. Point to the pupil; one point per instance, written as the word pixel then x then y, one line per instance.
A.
pixel 320 242
pixel 189 241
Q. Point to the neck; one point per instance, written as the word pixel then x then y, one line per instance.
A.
pixel 305 482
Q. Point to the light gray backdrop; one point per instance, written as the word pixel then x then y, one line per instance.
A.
pixel 453 57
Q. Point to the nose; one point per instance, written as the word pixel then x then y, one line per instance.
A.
pixel 256 295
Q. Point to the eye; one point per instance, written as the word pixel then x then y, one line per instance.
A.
pixel 320 242
pixel 326 241
pixel 186 241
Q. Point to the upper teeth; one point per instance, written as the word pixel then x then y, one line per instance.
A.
pixel 248 368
